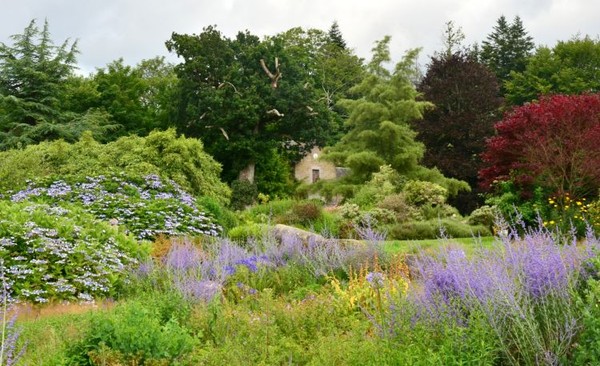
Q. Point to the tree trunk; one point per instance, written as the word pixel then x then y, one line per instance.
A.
pixel 248 173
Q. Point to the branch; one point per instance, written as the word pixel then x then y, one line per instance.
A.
pixel 274 77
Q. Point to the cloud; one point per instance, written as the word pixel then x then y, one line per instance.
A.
pixel 137 29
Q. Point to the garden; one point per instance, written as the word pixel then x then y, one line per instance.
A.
pixel 140 227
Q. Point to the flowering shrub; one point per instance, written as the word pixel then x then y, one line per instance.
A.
pixel 146 206
pixel 566 213
pixel 524 291
pixel 61 253
pixel 200 273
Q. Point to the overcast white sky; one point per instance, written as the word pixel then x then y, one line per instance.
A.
pixel 137 29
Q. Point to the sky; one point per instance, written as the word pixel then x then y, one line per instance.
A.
pixel 134 30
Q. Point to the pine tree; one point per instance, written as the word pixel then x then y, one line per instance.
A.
pixel 335 36
pixel 507 48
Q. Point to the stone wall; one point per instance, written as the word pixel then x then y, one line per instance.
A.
pixel 310 167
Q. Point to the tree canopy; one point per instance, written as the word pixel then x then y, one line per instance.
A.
pixel 570 67
pixel 465 95
pixel 507 48
pixel 379 122
pixel 245 96
pixel 552 144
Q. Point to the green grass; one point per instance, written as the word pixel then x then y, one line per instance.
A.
pixel 469 245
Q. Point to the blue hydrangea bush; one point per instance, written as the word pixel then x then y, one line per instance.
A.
pixel 56 253
pixel 146 206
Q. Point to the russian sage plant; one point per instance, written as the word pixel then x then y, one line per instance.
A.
pixel 524 289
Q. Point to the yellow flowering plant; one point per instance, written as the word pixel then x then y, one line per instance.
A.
pixel 567 212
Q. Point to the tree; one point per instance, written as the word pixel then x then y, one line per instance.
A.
pixel 551 144
pixel 507 48
pixel 570 67
pixel 245 97
pixel 379 130
pixel 335 36
pixel 452 39
pixel 465 95
pixel 35 86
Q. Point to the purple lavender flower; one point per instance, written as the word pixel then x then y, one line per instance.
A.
pixel 204 290
pixel 376 280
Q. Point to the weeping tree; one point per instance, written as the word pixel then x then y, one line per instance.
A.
pixel 379 123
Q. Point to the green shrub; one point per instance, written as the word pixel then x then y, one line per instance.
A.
pixel 432 229
pixel 424 193
pixel 403 210
pixel 146 206
pixel 62 253
pixel 306 212
pixel 431 212
pixel 133 333
pixel 243 194
pixel 270 209
pixel 328 225
pixel 484 215
pixel 223 216
pixel 242 233
pixel 163 153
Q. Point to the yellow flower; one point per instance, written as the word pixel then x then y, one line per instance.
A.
pixel 552 222
pixel 545 223
pixel 566 207
pixel 579 203
pixel 551 201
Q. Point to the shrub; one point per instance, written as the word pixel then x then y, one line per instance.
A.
pixel 306 212
pixel 243 194
pixel 484 215
pixel 146 206
pixel 433 229
pixel 241 234
pixel 431 212
pixel 180 159
pixel 133 333
pixel 62 253
pixel 223 216
pixel 403 210
pixel 421 193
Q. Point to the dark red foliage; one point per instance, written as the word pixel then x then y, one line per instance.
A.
pixel 553 143
pixel 465 94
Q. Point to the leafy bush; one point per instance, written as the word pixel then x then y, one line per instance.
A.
pixel 223 216
pixel 146 206
pixel 432 229
pixel 243 194
pixel 424 193
pixel 162 153
pixel 61 253
pixel 133 333
pixel 431 212
pixel 306 212
pixel 397 203
pixel 243 233
pixel 484 215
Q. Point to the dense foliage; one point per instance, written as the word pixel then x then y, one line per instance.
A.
pixel 163 153
pixel 570 67
pixel 507 48
pixel 551 144
pixel 465 95
pixel 61 253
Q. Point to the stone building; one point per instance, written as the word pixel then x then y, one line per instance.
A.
pixel 310 169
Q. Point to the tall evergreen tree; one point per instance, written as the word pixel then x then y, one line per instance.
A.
pixel 335 36
pixel 34 74
pixel 379 123
pixel 507 48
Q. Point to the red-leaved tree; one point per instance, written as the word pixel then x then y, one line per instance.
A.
pixel 553 143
